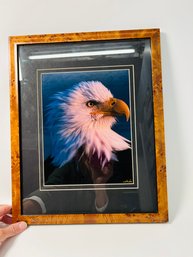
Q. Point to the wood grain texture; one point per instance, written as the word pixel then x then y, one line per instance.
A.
pixel 159 126
pixel 162 215
pixel 88 36
pixel 15 145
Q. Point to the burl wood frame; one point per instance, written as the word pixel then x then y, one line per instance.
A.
pixel 162 214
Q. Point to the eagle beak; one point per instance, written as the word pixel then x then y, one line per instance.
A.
pixel 114 107
pixel 119 107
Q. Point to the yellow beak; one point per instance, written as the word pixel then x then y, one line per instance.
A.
pixel 113 107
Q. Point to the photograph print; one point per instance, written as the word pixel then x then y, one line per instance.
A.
pixel 86 129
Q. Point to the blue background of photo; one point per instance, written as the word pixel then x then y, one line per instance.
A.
pixel 117 81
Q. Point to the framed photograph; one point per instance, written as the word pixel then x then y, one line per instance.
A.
pixel 87 128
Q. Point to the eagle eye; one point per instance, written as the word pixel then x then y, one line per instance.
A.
pixel 91 103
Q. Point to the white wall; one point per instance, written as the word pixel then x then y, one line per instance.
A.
pixel 175 18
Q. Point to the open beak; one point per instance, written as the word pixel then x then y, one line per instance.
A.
pixel 114 107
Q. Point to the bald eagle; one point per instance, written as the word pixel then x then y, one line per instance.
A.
pixel 80 121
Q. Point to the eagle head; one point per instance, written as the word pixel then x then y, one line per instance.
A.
pixel 82 118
